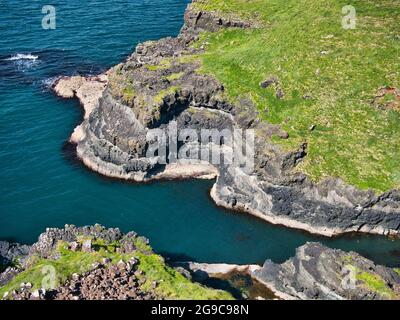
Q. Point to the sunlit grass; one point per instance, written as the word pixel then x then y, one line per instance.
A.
pixel 304 45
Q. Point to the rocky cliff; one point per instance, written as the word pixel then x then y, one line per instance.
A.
pixel 160 86
pixel 96 263
pixel 93 263
pixel 321 273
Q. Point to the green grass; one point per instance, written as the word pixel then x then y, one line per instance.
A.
pixel 397 270
pixel 68 263
pixel 158 99
pixel 128 94
pixel 163 65
pixel 376 284
pixel 373 282
pixel 175 76
pixel 141 245
pixel 352 139
pixel 172 284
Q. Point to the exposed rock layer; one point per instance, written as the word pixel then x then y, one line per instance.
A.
pixel 9 252
pixel 318 272
pixel 105 280
pixel 11 255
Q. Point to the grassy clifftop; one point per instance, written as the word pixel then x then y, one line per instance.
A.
pixel 338 85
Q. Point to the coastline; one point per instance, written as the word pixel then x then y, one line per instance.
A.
pixel 92 91
pixel 315 272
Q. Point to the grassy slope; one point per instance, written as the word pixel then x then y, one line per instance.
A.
pixel 172 284
pixel 352 140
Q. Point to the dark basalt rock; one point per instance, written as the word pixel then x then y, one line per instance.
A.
pixel 198 20
pixel 9 252
pixel 321 273
pixel 104 281
pixel 8 274
pixel 12 255
pixel 48 240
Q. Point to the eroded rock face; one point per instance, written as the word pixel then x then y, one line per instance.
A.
pixel 200 20
pixel 48 240
pixel 318 272
pixel 9 252
pixel 11 256
pixel 159 86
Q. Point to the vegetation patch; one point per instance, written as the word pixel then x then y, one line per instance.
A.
pixel 163 65
pixel 376 284
pixel 121 86
pixel 175 76
pixel 329 77
pixel 171 284
pixel 158 99
pixel 65 264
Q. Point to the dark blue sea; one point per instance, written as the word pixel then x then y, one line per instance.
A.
pixel 43 185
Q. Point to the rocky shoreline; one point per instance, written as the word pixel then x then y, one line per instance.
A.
pixel 93 263
pixel 158 85
pixel 321 273
pixel 96 263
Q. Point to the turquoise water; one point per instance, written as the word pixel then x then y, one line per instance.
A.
pixel 43 185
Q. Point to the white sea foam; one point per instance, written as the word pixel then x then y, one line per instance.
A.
pixel 48 83
pixel 21 56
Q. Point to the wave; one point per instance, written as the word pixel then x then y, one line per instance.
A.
pixel 48 83
pixel 21 56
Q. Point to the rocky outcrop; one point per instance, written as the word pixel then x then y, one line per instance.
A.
pixel 104 280
pixel 12 256
pixel 87 89
pixel 158 88
pixel 199 20
pixel 96 263
pixel 48 240
pixel 117 266
pixel 321 273
pixel 10 252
